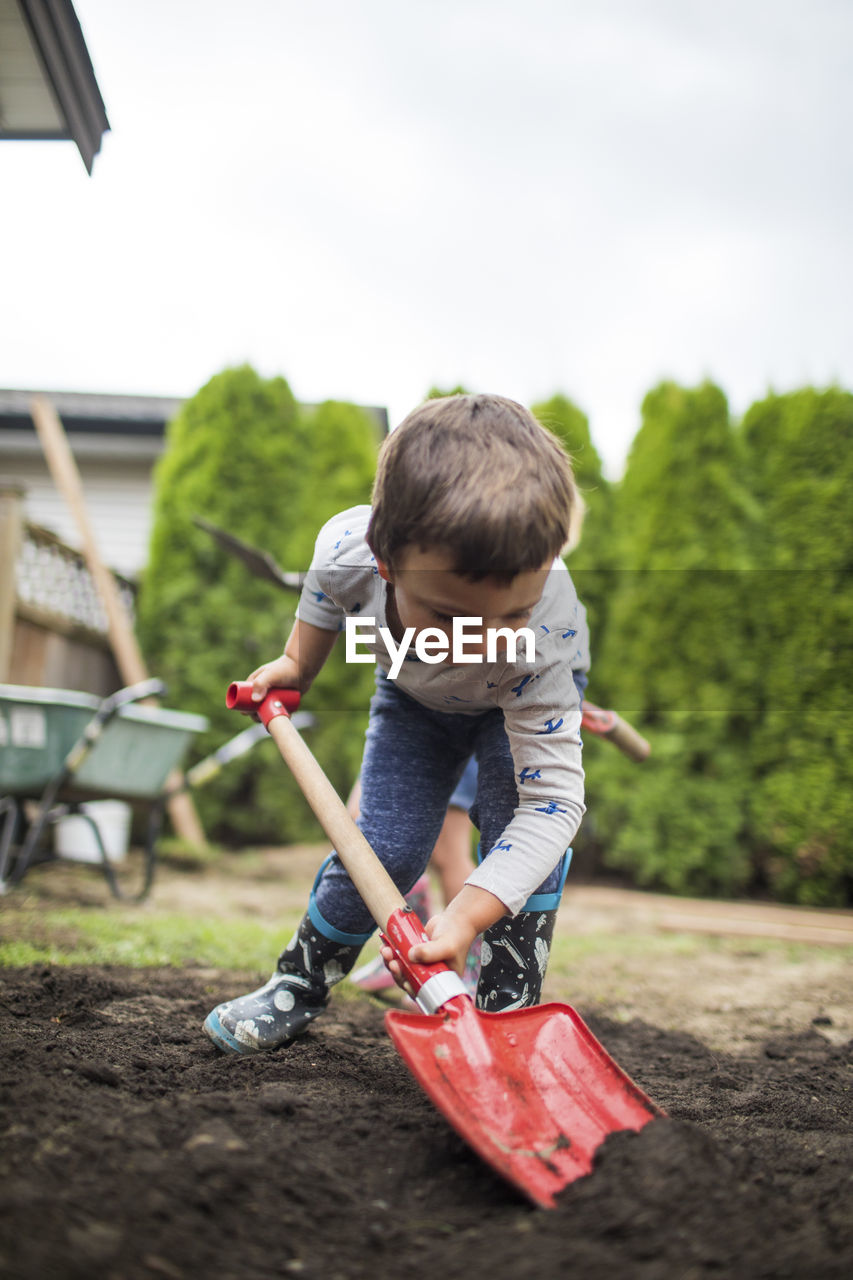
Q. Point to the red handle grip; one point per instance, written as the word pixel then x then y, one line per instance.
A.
pixel 607 724
pixel 278 702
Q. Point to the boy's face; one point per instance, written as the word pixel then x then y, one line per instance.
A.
pixel 429 594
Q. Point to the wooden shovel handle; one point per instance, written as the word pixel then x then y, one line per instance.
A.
pixel 378 891
pixel 628 740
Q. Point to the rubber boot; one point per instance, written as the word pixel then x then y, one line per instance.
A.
pixel 282 1008
pixel 513 961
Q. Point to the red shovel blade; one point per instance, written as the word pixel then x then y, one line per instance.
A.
pixel 532 1090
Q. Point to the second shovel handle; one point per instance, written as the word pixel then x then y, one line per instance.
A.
pixel 628 740
pixel 607 724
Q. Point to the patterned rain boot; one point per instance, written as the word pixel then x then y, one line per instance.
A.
pixel 297 992
pixel 513 961
pixel 515 951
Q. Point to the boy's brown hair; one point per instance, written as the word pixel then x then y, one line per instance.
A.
pixel 479 477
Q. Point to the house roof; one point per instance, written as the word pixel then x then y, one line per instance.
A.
pixel 103 424
pixel 48 89
pixel 99 426
pixel 91 411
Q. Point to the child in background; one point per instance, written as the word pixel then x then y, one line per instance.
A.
pixel 472 504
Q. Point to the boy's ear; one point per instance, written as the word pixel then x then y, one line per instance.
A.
pixel 384 571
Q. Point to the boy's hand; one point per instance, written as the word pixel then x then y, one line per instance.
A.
pixel 283 673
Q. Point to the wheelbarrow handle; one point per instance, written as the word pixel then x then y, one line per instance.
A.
pixel 433 984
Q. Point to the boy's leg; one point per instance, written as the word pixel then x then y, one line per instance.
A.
pixel 375 975
pixel 452 861
pixel 451 858
pixel 515 951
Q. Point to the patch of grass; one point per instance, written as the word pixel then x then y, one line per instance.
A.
pixel 76 936
pixel 570 949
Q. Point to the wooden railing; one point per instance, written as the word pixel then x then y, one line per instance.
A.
pixel 53 628
pixel 52 582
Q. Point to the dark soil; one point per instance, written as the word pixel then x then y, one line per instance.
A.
pixel 131 1148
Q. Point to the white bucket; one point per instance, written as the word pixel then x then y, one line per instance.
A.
pixel 75 839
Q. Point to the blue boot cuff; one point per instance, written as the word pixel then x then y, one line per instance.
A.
pixel 550 901
pixel 328 930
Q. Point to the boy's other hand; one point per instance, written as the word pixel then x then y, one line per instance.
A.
pixel 450 938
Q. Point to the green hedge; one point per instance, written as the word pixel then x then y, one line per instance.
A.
pixel 243 455
pixel 672 657
pixel 590 561
pixel 800 458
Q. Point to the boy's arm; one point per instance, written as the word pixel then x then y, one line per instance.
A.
pixel 304 656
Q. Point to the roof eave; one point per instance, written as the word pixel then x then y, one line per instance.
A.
pixel 58 40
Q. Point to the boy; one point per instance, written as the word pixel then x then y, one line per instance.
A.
pixel 472 503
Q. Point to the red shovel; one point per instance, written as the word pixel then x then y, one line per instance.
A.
pixel 532 1090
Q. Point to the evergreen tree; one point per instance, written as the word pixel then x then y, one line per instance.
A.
pixel 673 655
pixel 800 454
pixel 243 455
pixel 439 393
pixel 589 562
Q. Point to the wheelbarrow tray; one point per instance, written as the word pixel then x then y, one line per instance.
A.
pixel 61 747
pixel 137 751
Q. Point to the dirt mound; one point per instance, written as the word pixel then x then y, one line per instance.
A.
pixel 131 1148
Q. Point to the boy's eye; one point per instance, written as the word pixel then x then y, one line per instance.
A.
pixel 440 617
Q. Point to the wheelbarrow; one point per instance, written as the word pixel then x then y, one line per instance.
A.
pixel 63 752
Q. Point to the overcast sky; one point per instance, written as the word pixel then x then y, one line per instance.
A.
pixel 373 196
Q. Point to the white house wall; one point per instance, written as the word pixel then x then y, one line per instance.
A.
pixel 117 492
